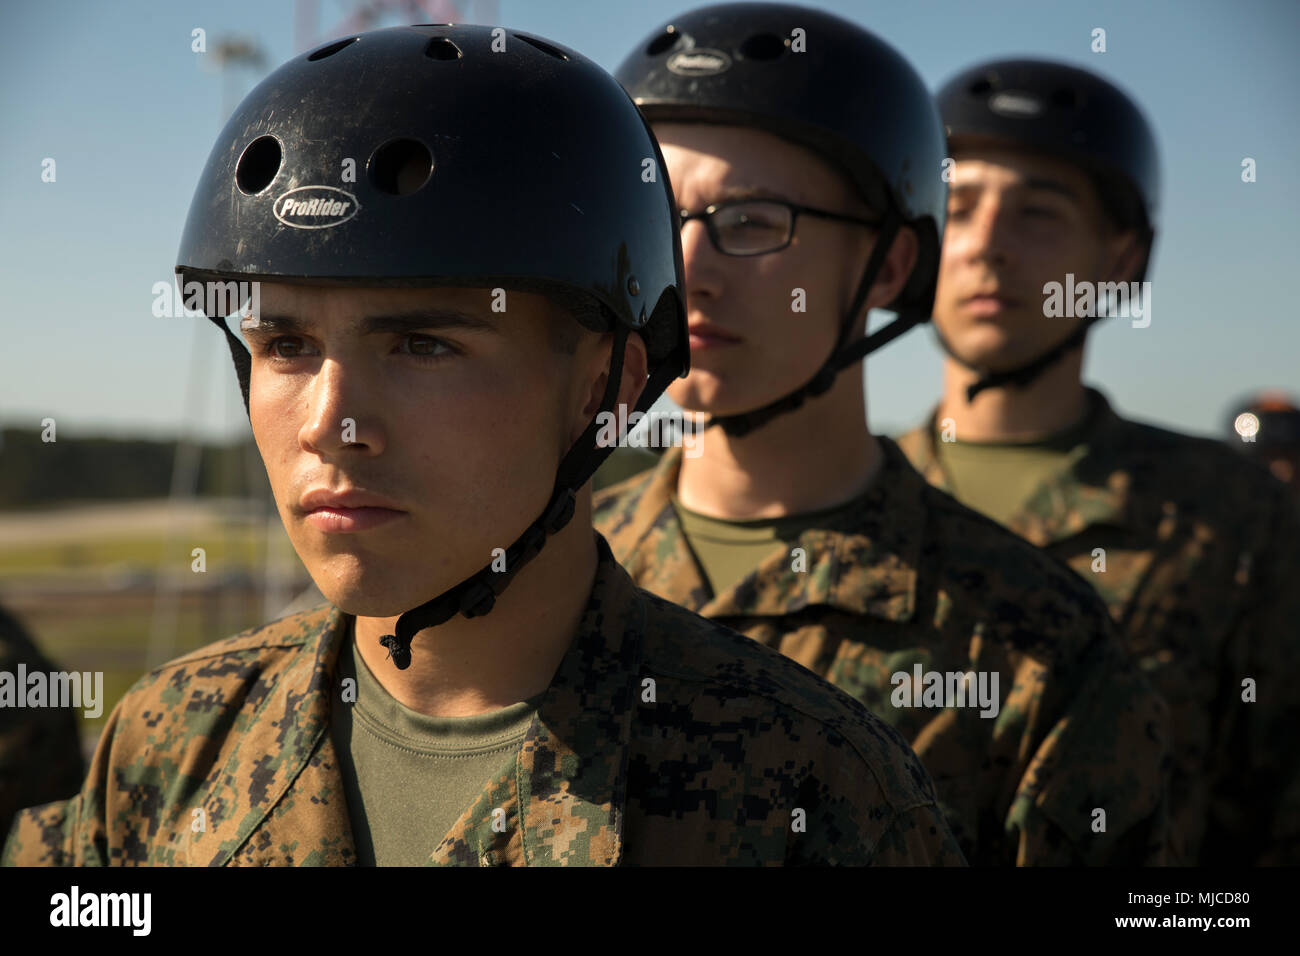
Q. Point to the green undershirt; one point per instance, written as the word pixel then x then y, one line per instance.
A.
pixel 408 776
pixel 729 550
pixel 997 478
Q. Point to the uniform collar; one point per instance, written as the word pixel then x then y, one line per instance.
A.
pixel 1096 489
pixel 869 570
pixel 565 800
pixel 569 787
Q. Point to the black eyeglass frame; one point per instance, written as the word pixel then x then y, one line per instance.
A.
pixel 796 209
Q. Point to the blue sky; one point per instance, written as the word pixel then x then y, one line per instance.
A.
pixel 113 93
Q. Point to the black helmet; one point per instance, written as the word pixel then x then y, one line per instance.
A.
pixel 829 85
pixel 483 158
pixel 1070 114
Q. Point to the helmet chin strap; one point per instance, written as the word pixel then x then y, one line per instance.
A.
pixel 1024 374
pixel 476 595
pixel 842 356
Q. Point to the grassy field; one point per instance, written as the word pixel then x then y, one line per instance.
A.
pixel 236 548
pixel 92 603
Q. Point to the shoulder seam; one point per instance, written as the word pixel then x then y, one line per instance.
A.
pixel 217 648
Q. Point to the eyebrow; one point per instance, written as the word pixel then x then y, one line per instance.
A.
pixel 409 321
pixel 749 192
pixel 1031 182
pixel 1051 185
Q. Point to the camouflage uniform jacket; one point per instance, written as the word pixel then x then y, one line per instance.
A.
pixel 40 751
pixel 925 583
pixel 1201 552
pixel 732 755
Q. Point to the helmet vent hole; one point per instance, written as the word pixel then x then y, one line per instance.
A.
pixel 401 167
pixel 762 46
pixel 331 48
pixel 258 165
pixel 543 46
pixel 440 48
pixel 663 42
pixel 1065 98
pixel 981 87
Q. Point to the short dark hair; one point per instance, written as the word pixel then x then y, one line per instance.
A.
pixel 570 323
pixel 575 314
pixel 564 332
pixel 1120 203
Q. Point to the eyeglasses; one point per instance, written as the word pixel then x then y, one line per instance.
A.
pixel 753 227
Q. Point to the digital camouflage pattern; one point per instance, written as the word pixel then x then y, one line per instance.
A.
pixel 736 757
pixel 40 751
pixel 1202 573
pixel 925 580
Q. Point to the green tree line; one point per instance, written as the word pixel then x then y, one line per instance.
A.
pixel 36 473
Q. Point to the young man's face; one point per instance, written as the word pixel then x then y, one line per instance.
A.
pixel 748 346
pixel 1016 221
pixel 448 418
